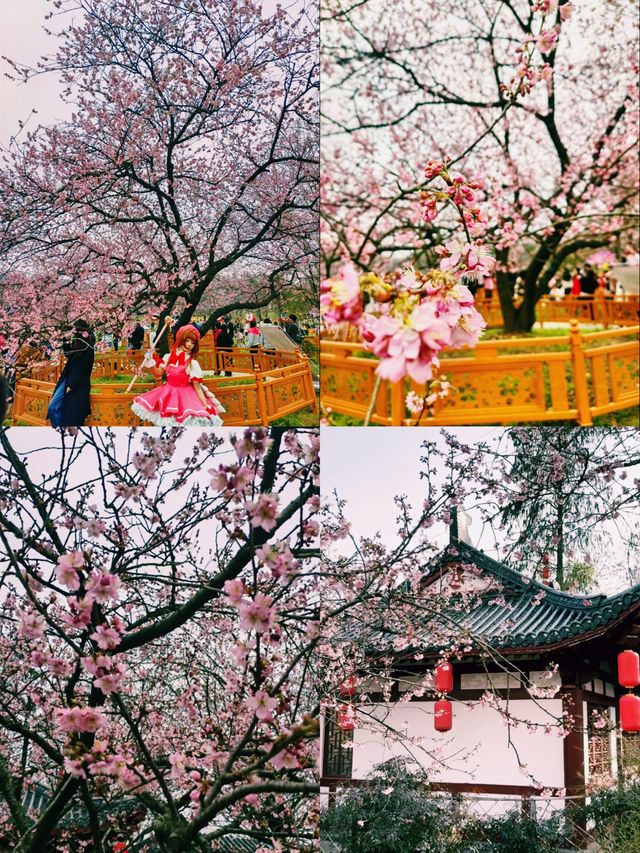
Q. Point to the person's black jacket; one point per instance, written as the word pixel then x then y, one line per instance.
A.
pixel 79 353
pixel 225 338
pixel 293 330
pixel 137 337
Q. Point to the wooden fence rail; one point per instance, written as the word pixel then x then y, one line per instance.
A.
pixel 599 309
pixel 271 385
pixel 572 377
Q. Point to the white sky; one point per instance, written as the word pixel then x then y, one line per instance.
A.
pixel 368 467
pixel 23 39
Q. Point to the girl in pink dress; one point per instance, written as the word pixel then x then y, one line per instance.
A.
pixel 183 400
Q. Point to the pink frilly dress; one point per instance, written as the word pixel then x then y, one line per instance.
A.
pixel 175 403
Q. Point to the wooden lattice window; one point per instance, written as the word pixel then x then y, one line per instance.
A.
pixel 599 742
pixel 629 752
pixel 338 759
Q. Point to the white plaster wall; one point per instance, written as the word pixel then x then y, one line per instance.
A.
pixel 475 750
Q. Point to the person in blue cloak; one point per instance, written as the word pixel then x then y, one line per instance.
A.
pixel 70 404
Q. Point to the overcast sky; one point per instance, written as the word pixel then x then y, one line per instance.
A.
pixel 23 39
pixel 369 466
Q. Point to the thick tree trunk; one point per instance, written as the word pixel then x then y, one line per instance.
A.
pixel 522 318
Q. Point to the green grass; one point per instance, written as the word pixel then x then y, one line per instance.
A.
pixel 305 417
pixel 500 334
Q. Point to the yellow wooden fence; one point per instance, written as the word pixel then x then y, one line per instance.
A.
pixel 571 377
pixel 271 385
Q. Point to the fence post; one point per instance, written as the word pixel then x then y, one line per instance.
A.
pixel 262 398
pixel 579 365
pixel 600 307
pixel 542 306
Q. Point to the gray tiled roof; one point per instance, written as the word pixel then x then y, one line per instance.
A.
pixel 559 617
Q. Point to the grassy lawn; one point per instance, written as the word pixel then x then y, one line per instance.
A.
pixel 303 418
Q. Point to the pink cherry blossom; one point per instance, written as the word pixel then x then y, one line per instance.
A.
pixel 263 705
pixel 67 569
pixel 340 298
pixel 31 625
pixel 79 719
pixel 103 586
pixel 263 512
pixel 257 615
pixel 106 637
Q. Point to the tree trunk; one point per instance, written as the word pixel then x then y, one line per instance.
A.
pixel 522 318
pixel 560 548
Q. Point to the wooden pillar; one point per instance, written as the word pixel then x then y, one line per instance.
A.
pixel 574 755
pixel 579 365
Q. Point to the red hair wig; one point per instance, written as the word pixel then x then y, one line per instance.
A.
pixel 185 333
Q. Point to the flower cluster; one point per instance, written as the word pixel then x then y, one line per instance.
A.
pixel 528 71
pixel 407 318
pixel 411 317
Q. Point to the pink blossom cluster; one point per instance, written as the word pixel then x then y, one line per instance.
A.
pixel 99 762
pixel 79 719
pixel 428 315
pixel 254 443
pixel 263 511
pixel 341 300
pixel 107 672
pixel 527 73
pixel 256 614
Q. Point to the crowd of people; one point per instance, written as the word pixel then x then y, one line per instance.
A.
pixel 70 402
pixel 583 282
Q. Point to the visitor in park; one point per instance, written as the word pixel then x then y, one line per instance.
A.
pixel 71 404
pixel 588 281
pixel 230 326
pixel 137 337
pixel 566 282
pixel 183 399
pixel 293 329
pixel 488 285
pixel 254 335
pixel 4 398
pixel 575 283
pixel 224 344
pixel 558 289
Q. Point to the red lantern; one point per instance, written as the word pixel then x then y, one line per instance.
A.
pixel 443 715
pixel 630 713
pixel 629 668
pixel 346 719
pixel 444 678
pixel 348 688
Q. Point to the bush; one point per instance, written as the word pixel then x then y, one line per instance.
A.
pixel 616 814
pixel 392 814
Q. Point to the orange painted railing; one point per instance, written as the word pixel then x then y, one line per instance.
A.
pixel 271 386
pixel 572 377
pixel 599 309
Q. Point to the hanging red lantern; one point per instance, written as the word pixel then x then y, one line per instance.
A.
pixel 443 678
pixel 348 688
pixel 443 715
pixel 629 668
pixel 346 718
pixel 630 713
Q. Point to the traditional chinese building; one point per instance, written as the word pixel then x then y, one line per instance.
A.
pixel 528 626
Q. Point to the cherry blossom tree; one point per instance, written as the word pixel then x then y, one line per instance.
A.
pixel 568 493
pixel 538 98
pixel 191 151
pixel 159 617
